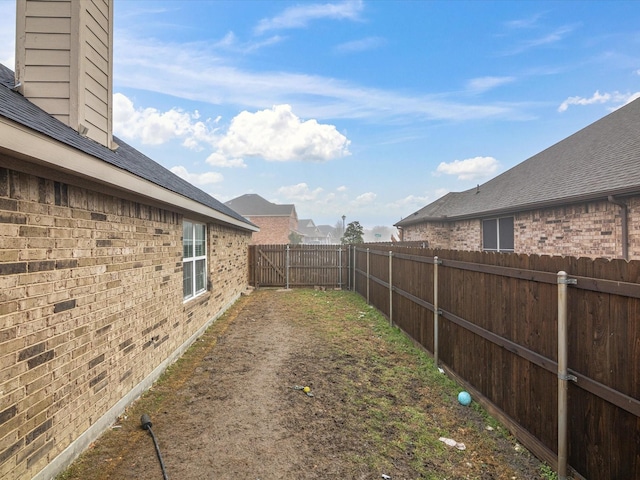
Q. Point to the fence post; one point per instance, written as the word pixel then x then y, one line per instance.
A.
pixel 353 272
pixel 436 312
pixel 367 276
pixel 563 377
pixel 390 288
pixel 340 266
pixel 287 267
pixel 349 267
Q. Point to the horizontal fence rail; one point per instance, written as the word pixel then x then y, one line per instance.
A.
pixel 496 323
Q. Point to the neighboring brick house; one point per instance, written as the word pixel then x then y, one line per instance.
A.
pixel 580 197
pixel 276 222
pixel 110 265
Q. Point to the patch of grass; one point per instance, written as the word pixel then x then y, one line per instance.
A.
pixel 547 472
pixel 410 404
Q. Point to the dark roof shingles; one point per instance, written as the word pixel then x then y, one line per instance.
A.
pixel 251 204
pixel 599 160
pixel 15 107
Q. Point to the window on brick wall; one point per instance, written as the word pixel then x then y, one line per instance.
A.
pixel 194 259
pixel 497 234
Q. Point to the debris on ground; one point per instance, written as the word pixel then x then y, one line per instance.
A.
pixel 452 443
pixel 306 390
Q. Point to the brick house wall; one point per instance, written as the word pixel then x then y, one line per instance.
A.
pixel 273 230
pixel 461 235
pixel 91 311
pixel 583 230
pixel 634 227
pixel 587 230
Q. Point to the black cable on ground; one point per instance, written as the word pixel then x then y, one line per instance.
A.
pixel 146 424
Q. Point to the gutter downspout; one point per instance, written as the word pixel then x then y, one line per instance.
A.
pixel 624 214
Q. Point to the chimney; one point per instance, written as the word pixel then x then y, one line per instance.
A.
pixel 64 52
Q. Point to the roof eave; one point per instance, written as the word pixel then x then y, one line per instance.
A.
pixel 591 197
pixel 23 142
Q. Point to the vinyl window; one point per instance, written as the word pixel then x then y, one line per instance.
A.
pixel 194 259
pixel 497 234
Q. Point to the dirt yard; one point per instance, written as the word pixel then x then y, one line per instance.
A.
pixel 229 410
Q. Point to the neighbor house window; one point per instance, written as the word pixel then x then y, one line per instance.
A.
pixel 497 234
pixel 194 259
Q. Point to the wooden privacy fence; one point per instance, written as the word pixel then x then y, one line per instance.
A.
pixel 299 266
pixel 498 323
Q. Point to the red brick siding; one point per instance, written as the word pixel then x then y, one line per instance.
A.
pixel 273 230
pixel 590 230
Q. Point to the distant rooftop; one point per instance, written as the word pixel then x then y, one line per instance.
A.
pixel 254 205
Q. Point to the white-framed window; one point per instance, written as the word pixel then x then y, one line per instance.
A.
pixel 497 234
pixel 194 259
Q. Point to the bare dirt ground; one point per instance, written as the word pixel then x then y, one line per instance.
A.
pixel 228 409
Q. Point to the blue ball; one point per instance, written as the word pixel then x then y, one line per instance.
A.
pixel 464 398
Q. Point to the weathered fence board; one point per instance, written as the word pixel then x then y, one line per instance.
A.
pixel 498 334
pixel 298 266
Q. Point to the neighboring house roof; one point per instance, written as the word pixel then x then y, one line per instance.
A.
pixel 600 160
pixel 20 110
pixel 327 230
pixel 308 228
pixel 307 222
pixel 254 205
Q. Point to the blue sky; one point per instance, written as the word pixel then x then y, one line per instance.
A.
pixel 368 109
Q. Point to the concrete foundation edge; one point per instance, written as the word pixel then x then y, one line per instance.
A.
pixel 73 451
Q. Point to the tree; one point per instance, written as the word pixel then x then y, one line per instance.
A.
pixel 295 238
pixel 353 233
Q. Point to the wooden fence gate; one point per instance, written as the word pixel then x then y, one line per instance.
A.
pixel 299 266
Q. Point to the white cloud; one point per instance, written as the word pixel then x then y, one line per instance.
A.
pixel 342 188
pixel 470 168
pixel 599 98
pixel 482 84
pixel 279 135
pixel 228 40
pixel 411 201
pixel 300 15
pixel 154 127
pixel 632 97
pixel 524 22
pixel 168 69
pixel 441 192
pixel 554 37
pixel 364 199
pixel 300 192
pixel 231 43
pixel 218 160
pixel 199 179
pixel 361 45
